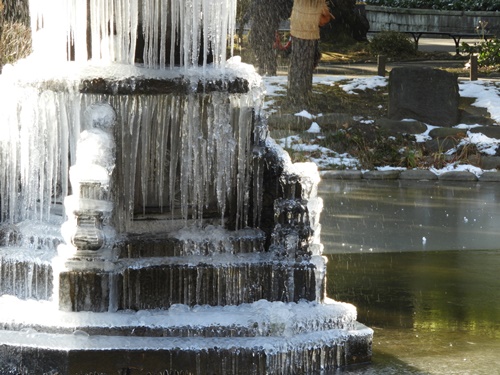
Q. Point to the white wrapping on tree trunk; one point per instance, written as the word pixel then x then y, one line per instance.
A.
pixel 304 23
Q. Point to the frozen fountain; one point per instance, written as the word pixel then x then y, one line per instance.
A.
pixel 149 225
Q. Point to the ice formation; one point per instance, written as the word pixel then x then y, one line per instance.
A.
pixel 191 242
pixel 211 133
pixel 61 30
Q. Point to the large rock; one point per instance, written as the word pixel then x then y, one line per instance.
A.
pixel 424 94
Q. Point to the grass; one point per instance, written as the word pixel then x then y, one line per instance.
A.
pixel 370 144
pixel 328 99
pixel 361 137
pixel 15 42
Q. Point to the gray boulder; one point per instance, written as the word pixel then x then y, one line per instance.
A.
pixel 425 94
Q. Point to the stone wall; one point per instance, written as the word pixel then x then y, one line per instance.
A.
pixel 404 19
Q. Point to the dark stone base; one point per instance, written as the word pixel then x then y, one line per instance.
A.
pixel 69 354
pixel 197 281
pixel 84 290
pixel 162 286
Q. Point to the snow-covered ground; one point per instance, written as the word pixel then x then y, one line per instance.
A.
pixel 486 93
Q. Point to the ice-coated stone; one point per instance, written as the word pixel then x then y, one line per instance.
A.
pixel 190 242
pixel 258 338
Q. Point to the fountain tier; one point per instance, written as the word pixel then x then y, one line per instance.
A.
pixel 190 241
pixel 184 139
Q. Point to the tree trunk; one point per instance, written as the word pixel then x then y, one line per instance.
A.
pixel 300 73
pixel 1 30
pixel 304 27
pixel 265 19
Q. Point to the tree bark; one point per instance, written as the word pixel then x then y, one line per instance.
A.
pixel 1 30
pixel 265 19
pixel 300 73
pixel 304 27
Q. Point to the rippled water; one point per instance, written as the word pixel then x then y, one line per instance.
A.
pixel 433 312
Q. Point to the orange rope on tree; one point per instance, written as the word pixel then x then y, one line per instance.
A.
pixel 326 16
pixel 279 46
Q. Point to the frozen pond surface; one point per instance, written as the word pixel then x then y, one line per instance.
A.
pixel 394 216
pixel 433 312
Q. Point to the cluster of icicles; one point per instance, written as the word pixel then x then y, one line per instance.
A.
pixel 114 25
pixel 174 153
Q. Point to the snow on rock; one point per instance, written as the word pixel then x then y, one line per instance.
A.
pixel 454 167
pixel 314 128
pixel 365 83
pixel 425 135
pixel 305 114
pixel 487 96
pixel 484 143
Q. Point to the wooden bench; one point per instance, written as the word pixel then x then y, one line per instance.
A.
pixel 456 36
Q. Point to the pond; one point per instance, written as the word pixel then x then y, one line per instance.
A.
pixel 434 304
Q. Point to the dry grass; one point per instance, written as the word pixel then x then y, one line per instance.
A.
pixel 15 42
pixel 333 99
pixel 372 145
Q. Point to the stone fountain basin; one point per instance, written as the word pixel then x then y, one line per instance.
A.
pixel 122 79
pixel 258 319
pixel 158 270
pixel 258 338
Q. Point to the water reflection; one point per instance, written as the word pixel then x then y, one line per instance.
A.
pixel 409 215
pixel 433 312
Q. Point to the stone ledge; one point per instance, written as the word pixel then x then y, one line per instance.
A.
pixel 417 174
pixel 412 174
pixel 342 175
pixel 490 177
pixel 458 176
pixel 70 354
pixel 382 175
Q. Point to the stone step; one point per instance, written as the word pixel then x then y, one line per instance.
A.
pixel 218 283
pixel 258 319
pixel 188 242
pixel 259 338
pixel 143 283
pixel 159 283
pixel 312 353
pixel 26 273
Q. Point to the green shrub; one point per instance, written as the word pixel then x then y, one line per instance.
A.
pixel 472 5
pixel 488 52
pixel 392 44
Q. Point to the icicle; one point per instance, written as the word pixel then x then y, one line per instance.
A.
pixel 174 9
pixel 133 16
pixel 176 118
pixel 163 32
pixel 95 30
pixel 206 23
